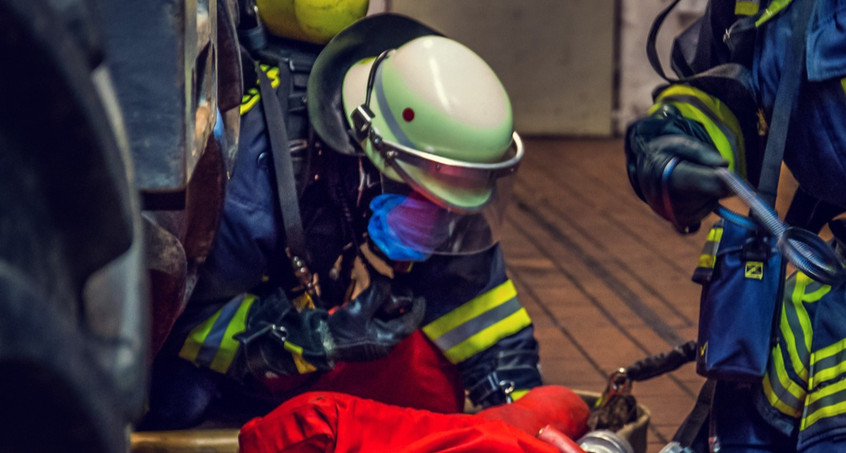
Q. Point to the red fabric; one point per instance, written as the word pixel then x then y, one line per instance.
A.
pixel 551 405
pixel 563 443
pixel 333 422
pixel 415 363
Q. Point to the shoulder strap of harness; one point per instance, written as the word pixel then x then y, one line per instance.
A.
pixel 274 105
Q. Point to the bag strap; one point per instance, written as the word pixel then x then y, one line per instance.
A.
pixel 788 90
pixel 273 106
pixel 695 421
pixel 651 49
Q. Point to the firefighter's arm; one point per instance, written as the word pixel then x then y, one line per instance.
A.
pixel 504 372
pixel 671 154
pixel 480 326
pixel 269 335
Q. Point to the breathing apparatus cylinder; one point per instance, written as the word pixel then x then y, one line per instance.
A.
pixel 604 441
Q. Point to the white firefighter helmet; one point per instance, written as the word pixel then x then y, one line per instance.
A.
pixel 432 117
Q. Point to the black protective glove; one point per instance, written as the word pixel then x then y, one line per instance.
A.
pixel 366 328
pixel 670 162
pixel 369 326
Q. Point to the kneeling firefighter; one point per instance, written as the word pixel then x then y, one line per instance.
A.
pixel 399 141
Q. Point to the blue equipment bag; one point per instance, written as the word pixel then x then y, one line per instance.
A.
pixel 742 275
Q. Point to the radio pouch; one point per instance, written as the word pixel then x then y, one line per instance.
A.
pixel 741 273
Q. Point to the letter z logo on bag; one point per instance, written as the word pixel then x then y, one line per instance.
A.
pixel 754 269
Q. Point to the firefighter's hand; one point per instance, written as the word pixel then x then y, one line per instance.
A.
pixel 670 162
pixel 370 325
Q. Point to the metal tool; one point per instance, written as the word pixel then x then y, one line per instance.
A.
pixel 804 249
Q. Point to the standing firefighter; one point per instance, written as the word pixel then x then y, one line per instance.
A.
pixel 399 141
pixel 696 126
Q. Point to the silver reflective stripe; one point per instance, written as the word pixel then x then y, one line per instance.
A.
pixel 387 115
pixel 477 324
pixel 211 344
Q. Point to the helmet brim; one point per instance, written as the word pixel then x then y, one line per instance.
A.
pixel 367 37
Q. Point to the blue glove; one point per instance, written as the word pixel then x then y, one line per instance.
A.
pixel 670 162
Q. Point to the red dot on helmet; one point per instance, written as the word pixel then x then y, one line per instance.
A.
pixel 408 114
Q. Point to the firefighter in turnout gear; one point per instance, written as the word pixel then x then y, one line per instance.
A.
pixel 400 150
pixel 696 126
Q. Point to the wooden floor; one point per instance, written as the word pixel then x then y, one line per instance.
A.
pixel 606 281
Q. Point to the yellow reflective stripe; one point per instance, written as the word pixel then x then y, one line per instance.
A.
pixel 721 142
pixel 775 402
pixel 772 9
pixel 251 98
pixel 795 302
pixel 488 337
pixel 812 294
pixel 831 372
pixel 471 309
pixel 517 394
pixel 777 398
pixel 708 258
pixel 211 343
pixel 292 348
pixel 303 301
pixel 303 366
pixel 843 84
pixel 228 345
pixel 194 342
pixel 825 411
pixel 715 234
pixel 746 7
pixel 735 157
pixel 707 261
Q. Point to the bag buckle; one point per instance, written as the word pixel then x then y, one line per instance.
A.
pixel 756 248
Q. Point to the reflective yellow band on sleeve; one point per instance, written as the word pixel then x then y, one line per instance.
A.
pixel 471 309
pixel 303 366
pixel 714 115
pixel 746 7
pixel 229 345
pixel 479 323
pixel 488 337
pixel 211 343
pixel 773 8
pixel 303 301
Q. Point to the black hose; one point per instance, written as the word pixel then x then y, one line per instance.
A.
pixel 662 363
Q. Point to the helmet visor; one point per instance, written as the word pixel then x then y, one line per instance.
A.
pixel 411 227
pixel 458 186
